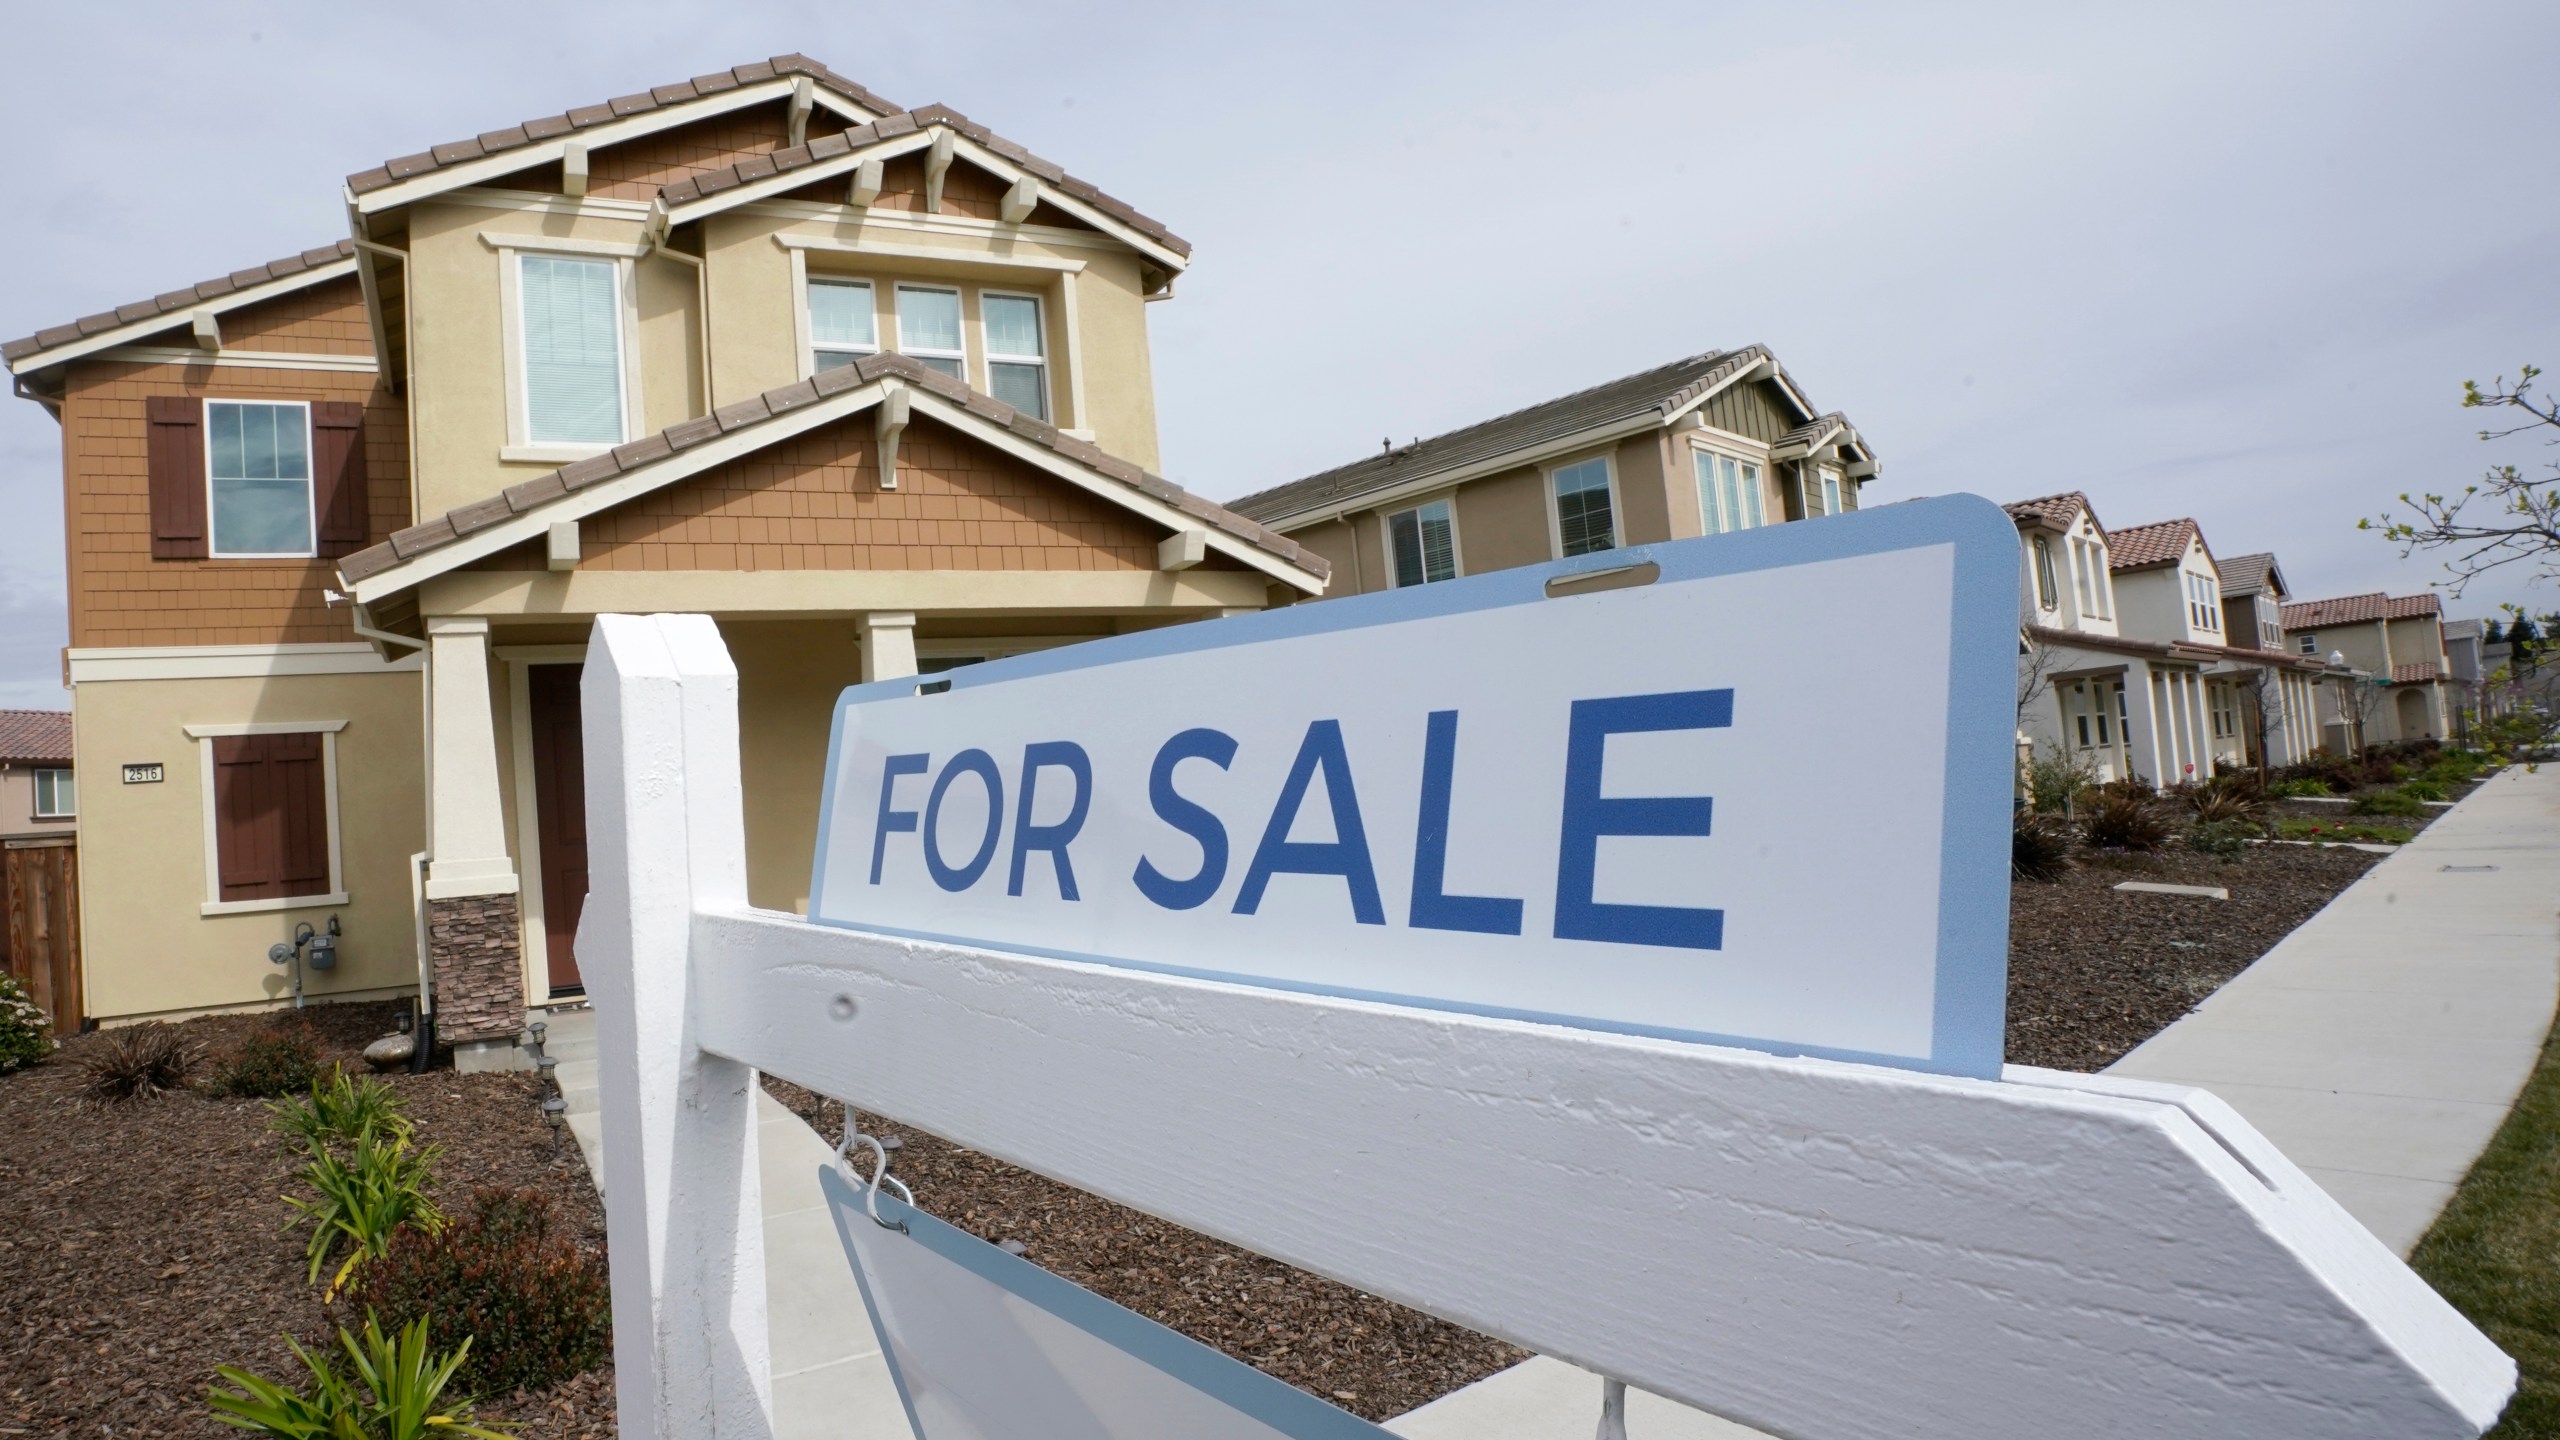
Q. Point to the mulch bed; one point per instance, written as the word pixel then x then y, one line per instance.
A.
pixel 143 1244
pixel 2094 971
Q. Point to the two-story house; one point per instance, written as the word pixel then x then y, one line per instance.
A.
pixel 870 386
pixel 1713 443
pixel 2395 644
pixel 2125 657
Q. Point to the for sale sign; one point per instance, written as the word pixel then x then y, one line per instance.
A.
pixel 1751 789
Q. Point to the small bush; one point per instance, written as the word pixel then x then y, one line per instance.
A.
pixel 365 1200
pixel 394 1390
pixel 341 1110
pixel 2039 848
pixel 2226 840
pixel 2056 782
pixel 26 1032
pixel 2120 822
pixel 280 1059
pixel 2324 830
pixel 2226 800
pixel 2425 789
pixel 536 1303
pixel 139 1062
pixel 2388 802
pixel 2131 787
pixel 2300 789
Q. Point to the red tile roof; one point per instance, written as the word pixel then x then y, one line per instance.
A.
pixel 40 736
pixel 2162 542
pixel 2054 510
pixel 2417 674
pixel 2359 609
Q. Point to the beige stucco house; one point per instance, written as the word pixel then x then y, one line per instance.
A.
pixel 1712 443
pixel 869 385
pixel 2395 645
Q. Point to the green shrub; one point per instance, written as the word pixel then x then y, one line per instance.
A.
pixel 2388 802
pixel 2226 801
pixel 2130 787
pixel 2039 848
pixel 2338 831
pixel 26 1032
pixel 2300 789
pixel 279 1059
pixel 2425 789
pixel 393 1389
pixel 537 1305
pixel 138 1062
pixel 2224 839
pixel 2056 782
pixel 365 1199
pixel 341 1110
pixel 2120 822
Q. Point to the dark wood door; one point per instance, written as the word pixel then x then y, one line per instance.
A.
pixel 560 813
pixel 42 889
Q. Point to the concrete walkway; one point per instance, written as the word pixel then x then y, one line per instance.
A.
pixel 2379 1046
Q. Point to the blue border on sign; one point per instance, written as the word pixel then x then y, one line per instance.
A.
pixel 1229 1381
pixel 1972 978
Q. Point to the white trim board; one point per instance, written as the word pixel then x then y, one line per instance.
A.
pixel 927 222
pixel 213 903
pixel 182 319
pixel 790 241
pixel 220 662
pixel 243 359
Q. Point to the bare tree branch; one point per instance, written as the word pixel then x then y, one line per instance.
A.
pixel 2506 519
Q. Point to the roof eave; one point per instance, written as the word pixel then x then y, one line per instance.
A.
pixel 1430 480
pixel 34 362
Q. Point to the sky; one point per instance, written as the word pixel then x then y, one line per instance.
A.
pixel 2229 262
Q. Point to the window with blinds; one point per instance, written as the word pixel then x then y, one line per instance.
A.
pixel 844 325
pixel 929 328
pixel 1423 544
pixel 572 317
pixel 258 471
pixel 1584 523
pixel 1728 494
pixel 1017 360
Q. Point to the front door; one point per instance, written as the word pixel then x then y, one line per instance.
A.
pixel 560 814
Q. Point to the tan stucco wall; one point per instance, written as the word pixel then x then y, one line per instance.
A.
pixel 789 674
pixel 1502 521
pixel 146 949
pixel 1644 494
pixel 2418 641
pixel 18 804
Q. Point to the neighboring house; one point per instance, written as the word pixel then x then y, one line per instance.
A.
pixel 870 386
pixel 2466 671
pixel 2253 596
pixel 2124 662
pixel 2395 644
pixel 38 795
pixel 1716 442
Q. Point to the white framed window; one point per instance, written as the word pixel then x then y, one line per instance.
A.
pixel 929 328
pixel 1830 492
pixel 257 460
pixel 2307 644
pixel 57 795
pixel 2048 591
pixel 1422 544
pixel 844 322
pixel 1585 511
pixel 1017 351
pixel 2204 606
pixel 570 334
pixel 1728 493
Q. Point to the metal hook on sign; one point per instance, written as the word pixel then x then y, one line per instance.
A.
pixel 879 1174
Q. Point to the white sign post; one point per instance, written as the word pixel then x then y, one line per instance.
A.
pixel 1815 1246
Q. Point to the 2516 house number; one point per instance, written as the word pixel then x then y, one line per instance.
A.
pixel 148 773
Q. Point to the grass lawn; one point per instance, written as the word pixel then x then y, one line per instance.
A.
pixel 2343 830
pixel 2495 1252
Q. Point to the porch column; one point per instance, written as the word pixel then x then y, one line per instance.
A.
pixel 888 643
pixel 2141 724
pixel 2199 709
pixel 474 929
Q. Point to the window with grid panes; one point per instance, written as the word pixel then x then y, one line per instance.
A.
pixel 1584 524
pixel 1728 493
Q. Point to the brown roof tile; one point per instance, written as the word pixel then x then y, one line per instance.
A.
pixel 519 499
pixel 2417 674
pixel 174 300
pixel 35 735
pixel 2057 511
pixel 496 142
pixel 2359 609
pixel 2163 542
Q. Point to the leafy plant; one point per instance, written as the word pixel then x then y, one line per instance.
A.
pixel 2120 822
pixel 537 1304
pixel 2388 802
pixel 280 1059
pixel 365 1198
pixel 2129 787
pixel 342 1109
pixel 2056 782
pixel 2324 830
pixel 2300 789
pixel 2225 840
pixel 26 1032
pixel 393 1389
pixel 139 1062
pixel 2423 788
pixel 2039 847
pixel 2226 800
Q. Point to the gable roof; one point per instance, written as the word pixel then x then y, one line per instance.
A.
pixel 176 307
pixel 521 512
pixel 35 736
pixel 784 167
pixel 2417 673
pixel 2163 542
pixel 2057 511
pixel 2248 574
pixel 1656 396
pixel 2359 609
pixel 532 132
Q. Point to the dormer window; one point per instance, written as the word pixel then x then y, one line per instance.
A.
pixel 929 328
pixel 1017 358
pixel 2048 590
pixel 844 323
pixel 2204 606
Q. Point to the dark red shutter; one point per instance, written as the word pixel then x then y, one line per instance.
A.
pixel 271 816
pixel 337 475
pixel 176 456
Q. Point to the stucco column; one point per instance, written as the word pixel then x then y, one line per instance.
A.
pixel 888 643
pixel 2199 711
pixel 475 943
pixel 2141 724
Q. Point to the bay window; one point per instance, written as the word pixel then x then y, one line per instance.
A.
pixel 1728 494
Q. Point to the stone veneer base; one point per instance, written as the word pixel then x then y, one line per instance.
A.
pixel 479 968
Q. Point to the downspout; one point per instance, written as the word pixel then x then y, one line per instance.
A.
pixel 1359 571
pixel 658 233
pixel 408 354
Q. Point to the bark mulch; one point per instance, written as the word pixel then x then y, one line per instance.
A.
pixel 2094 971
pixel 143 1244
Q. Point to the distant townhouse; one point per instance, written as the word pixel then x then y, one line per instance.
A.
pixel 39 862
pixel 1710 444
pixel 2127 664
pixel 2395 644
